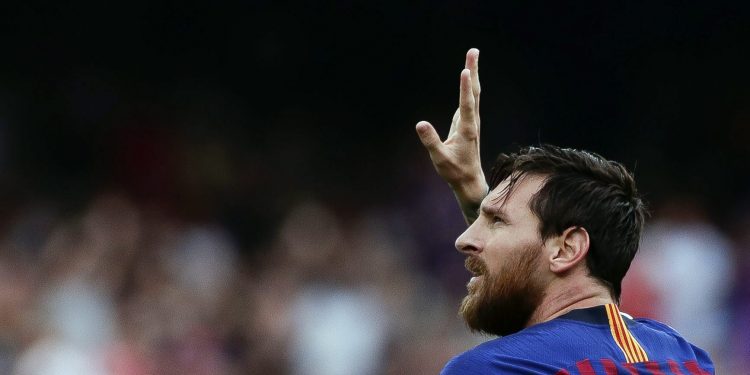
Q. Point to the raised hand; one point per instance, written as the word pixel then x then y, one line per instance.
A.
pixel 457 159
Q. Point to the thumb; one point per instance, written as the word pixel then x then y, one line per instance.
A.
pixel 428 136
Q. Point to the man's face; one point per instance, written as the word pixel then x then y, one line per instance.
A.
pixel 504 252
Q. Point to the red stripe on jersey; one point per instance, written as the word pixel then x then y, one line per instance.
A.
pixel 631 368
pixel 610 368
pixel 584 367
pixel 563 372
pixel 653 368
pixel 674 367
pixel 694 369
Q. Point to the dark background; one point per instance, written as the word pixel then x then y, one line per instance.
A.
pixel 321 98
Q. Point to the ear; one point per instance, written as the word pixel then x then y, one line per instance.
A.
pixel 572 247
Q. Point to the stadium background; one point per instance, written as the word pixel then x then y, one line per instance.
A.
pixel 189 187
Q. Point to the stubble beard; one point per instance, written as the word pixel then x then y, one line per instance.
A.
pixel 503 302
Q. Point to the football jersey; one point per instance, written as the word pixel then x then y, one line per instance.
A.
pixel 598 340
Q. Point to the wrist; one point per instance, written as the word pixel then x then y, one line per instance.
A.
pixel 470 192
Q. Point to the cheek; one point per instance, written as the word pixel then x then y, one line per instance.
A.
pixel 498 251
pixel 498 248
pixel 494 259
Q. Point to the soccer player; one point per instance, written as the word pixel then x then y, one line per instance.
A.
pixel 549 241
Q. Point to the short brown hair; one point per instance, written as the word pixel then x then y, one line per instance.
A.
pixel 582 189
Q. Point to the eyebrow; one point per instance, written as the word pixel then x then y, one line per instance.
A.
pixel 494 211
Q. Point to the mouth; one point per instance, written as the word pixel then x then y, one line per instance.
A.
pixel 478 269
pixel 475 266
pixel 473 282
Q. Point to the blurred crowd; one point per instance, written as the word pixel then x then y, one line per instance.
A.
pixel 122 287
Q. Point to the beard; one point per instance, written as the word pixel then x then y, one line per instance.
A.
pixel 502 303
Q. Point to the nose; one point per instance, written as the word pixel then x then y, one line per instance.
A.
pixel 467 243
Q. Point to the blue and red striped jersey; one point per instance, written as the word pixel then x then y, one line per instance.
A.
pixel 594 341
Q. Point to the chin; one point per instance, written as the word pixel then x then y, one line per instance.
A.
pixel 502 304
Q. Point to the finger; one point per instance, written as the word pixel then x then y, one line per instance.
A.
pixel 429 137
pixel 466 99
pixel 454 122
pixel 472 63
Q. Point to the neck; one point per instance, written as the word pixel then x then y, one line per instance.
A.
pixel 561 298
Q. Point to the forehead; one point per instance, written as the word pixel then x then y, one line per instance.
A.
pixel 517 200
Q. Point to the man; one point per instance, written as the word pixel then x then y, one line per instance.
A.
pixel 549 241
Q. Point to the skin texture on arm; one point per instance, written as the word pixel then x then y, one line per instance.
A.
pixel 457 159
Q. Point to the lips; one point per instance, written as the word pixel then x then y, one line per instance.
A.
pixel 475 266
pixel 473 285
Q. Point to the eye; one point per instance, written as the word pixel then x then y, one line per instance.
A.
pixel 498 220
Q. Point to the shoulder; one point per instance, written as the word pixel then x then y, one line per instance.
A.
pixel 667 340
pixel 523 352
pixel 475 362
pixel 470 362
pixel 661 330
pixel 655 324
